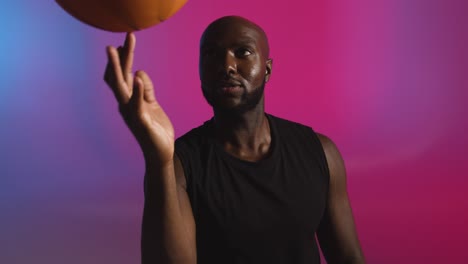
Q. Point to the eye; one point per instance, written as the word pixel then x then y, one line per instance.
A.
pixel 243 52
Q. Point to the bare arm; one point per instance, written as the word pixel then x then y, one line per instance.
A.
pixel 337 233
pixel 168 231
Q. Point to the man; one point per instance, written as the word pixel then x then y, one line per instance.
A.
pixel 245 187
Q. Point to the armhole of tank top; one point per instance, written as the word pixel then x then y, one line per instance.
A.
pixel 185 168
pixel 323 156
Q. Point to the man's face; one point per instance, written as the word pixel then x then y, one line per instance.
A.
pixel 233 65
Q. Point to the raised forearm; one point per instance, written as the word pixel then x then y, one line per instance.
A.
pixel 164 234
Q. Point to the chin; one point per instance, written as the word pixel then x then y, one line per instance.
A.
pixel 235 108
pixel 234 105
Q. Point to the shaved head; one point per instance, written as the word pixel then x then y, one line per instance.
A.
pixel 224 23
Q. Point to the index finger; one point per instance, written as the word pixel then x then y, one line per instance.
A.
pixel 119 86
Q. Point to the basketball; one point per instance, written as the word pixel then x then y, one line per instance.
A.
pixel 121 15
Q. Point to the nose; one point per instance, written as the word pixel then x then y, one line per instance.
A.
pixel 230 63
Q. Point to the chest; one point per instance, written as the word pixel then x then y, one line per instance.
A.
pixel 283 198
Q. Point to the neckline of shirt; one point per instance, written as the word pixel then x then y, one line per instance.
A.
pixel 268 158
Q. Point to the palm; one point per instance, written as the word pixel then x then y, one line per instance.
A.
pixel 158 129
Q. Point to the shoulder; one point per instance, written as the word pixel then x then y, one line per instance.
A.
pixel 334 158
pixel 196 132
pixel 188 152
pixel 290 129
pixel 329 147
pixel 193 138
pixel 305 135
pixel 285 122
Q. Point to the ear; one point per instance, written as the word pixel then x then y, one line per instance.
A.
pixel 269 65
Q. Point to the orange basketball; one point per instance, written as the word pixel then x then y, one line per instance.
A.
pixel 121 15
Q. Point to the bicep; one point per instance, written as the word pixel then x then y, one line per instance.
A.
pixel 337 233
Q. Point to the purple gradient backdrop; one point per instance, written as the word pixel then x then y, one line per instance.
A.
pixel 386 80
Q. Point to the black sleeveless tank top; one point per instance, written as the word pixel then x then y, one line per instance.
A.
pixel 256 212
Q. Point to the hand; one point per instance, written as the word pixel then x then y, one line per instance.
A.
pixel 137 104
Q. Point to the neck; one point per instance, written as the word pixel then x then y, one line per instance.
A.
pixel 245 135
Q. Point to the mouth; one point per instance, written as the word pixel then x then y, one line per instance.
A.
pixel 230 87
pixel 230 83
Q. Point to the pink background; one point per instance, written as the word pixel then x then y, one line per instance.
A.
pixel 386 80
